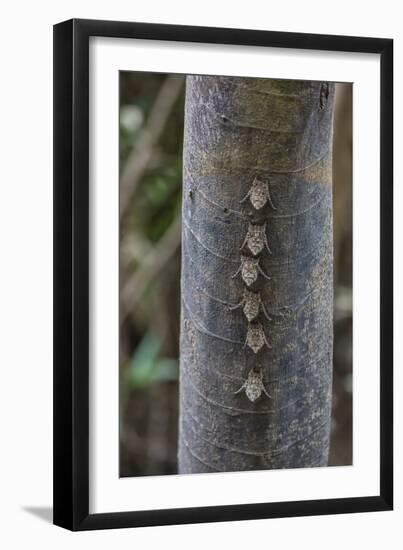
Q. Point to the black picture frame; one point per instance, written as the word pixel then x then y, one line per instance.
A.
pixel 71 274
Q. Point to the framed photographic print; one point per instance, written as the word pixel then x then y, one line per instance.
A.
pixel 223 243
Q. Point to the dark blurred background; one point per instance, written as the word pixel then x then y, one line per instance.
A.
pixel 151 139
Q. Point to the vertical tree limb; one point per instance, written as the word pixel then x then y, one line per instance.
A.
pixel 279 132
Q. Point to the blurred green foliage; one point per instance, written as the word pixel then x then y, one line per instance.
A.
pixel 146 367
pixel 149 335
pixel 161 200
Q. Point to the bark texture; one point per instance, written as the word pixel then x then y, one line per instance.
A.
pixel 279 131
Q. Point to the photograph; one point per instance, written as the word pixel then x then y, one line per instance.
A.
pixel 198 258
pixel 235 274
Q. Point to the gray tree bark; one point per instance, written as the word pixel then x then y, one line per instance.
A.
pixel 271 141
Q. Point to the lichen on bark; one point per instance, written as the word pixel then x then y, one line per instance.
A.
pixel 279 131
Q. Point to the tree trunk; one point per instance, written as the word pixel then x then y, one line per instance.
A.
pixel 257 163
